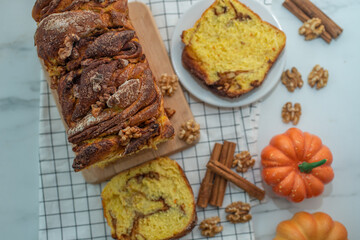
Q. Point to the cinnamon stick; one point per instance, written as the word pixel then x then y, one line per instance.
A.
pixel 228 174
pixel 215 190
pixel 313 11
pixel 289 5
pixel 207 182
pixel 223 182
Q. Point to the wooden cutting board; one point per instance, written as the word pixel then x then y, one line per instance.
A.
pixel 158 58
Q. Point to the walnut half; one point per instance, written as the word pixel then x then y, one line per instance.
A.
pixel 169 112
pixel 292 79
pixel 312 29
pixel 209 227
pixel 318 76
pixel 290 113
pixel 168 84
pixel 190 131
pixel 243 161
pixel 129 133
pixel 238 212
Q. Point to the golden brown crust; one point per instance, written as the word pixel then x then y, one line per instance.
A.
pixel 194 68
pixel 44 8
pixel 89 154
pixel 101 78
pixel 192 224
pixel 52 31
pixel 193 65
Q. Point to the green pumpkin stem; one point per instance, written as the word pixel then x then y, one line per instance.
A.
pixel 307 167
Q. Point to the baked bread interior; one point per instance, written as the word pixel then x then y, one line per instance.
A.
pixel 100 78
pixel 230 49
pixel 151 201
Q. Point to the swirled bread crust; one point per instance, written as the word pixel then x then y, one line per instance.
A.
pixel 108 96
pixel 230 49
pixel 115 9
pixel 153 201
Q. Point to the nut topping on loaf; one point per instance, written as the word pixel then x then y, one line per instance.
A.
pixel 230 48
pixel 101 78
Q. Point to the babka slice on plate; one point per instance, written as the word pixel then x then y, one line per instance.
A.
pixel 230 48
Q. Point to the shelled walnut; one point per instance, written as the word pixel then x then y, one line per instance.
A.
pixel 209 227
pixel 312 28
pixel 96 81
pixel 169 112
pixel 100 105
pixel 238 212
pixel 290 113
pixel 190 131
pixel 243 161
pixel 128 133
pixel 96 109
pixel 318 76
pixel 292 79
pixel 168 84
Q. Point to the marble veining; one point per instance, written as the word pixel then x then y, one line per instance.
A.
pixel 333 7
pixel 15 103
pixel 330 113
pixel 20 44
pixel 19 122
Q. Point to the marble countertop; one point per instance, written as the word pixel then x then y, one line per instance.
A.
pixel 332 113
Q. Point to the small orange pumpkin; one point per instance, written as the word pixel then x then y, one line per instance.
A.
pixel 306 226
pixel 297 165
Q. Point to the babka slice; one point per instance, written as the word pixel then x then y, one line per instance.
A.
pixel 230 48
pixel 151 201
pixel 100 78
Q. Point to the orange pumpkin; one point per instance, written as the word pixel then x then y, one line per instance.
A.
pixel 306 226
pixel 297 165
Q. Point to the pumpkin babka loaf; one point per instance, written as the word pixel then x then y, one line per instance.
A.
pixel 231 49
pixel 108 97
pixel 151 201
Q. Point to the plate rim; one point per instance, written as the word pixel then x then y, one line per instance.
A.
pixel 217 100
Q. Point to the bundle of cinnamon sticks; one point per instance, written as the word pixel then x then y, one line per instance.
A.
pixel 305 10
pixel 213 186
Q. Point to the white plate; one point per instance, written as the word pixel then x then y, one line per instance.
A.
pixel 198 89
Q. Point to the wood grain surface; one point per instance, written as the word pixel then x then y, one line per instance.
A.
pixel 158 58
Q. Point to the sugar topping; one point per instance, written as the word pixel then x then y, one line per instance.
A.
pixel 87 121
pixel 61 22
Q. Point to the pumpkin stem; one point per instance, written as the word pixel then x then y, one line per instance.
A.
pixel 307 167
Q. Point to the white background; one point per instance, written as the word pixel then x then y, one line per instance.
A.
pixel 332 113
